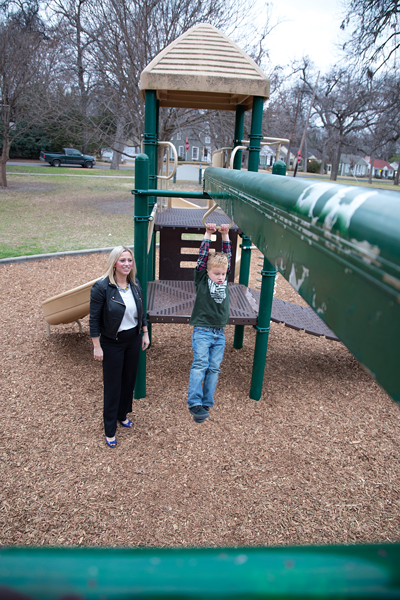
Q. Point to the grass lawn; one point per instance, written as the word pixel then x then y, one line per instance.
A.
pixel 51 211
pixel 381 184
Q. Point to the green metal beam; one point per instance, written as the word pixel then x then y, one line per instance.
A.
pixel 172 194
pixel 338 246
pixel 241 573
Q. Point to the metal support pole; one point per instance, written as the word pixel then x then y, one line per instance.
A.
pixel 246 255
pixel 151 149
pixel 255 133
pixel 263 327
pixel 141 221
pixel 244 280
pixel 239 128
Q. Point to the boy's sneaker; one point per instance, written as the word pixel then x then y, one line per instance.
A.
pixel 207 408
pixel 199 413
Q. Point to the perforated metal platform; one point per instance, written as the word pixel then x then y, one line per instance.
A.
pixel 297 317
pixel 172 302
pixel 190 218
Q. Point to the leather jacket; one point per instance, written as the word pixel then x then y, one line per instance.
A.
pixel 107 308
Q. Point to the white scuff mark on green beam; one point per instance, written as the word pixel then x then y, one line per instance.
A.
pixel 319 309
pixel 337 208
pixel 310 196
pixel 392 281
pixel 336 211
pixel 368 252
pixel 297 283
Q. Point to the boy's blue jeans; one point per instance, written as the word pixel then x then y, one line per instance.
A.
pixel 208 345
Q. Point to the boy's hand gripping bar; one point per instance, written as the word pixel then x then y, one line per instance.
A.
pixel 209 213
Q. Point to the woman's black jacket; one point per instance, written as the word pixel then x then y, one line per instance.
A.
pixel 107 308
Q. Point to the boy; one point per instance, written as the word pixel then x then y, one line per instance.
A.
pixel 209 316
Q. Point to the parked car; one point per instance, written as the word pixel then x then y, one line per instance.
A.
pixel 69 156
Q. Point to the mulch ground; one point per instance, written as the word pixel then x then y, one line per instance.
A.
pixel 315 461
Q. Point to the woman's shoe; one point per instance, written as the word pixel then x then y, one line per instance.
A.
pixel 128 424
pixel 111 443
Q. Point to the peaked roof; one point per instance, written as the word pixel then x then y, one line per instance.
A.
pixel 203 68
pixel 378 163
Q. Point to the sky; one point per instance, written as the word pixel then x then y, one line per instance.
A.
pixel 311 27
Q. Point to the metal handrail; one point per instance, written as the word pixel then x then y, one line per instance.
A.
pixel 170 145
pixel 209 213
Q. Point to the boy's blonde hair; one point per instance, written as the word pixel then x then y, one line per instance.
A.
pixel 112 260
pixel 217 259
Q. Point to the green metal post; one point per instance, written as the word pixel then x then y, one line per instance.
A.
pixel 246 255
pixel 141 219
pixel 244 280
pixel 255 133
pixel 151 149
pixel 239 128
pixel 263 327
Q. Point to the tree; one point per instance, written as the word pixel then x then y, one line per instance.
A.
pixel 375 31
pixel 25 66
pixel 344 105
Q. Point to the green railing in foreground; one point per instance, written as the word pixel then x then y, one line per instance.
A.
pixel 246 573
pixel 339 247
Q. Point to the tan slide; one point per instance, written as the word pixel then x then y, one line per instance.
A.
pixel 68 307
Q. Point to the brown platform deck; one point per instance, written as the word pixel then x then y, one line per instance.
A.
pixel 172 302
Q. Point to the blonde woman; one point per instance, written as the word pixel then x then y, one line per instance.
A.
pixel 117 318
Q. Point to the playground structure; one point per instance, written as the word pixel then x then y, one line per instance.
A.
pixel 339 247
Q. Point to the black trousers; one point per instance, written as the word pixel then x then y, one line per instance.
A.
pixel 120 364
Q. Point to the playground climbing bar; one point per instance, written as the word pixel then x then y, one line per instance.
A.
pixel 338 246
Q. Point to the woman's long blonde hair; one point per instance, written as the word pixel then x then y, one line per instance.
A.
pixel 112 259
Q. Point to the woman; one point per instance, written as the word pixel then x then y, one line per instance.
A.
pixel 117 317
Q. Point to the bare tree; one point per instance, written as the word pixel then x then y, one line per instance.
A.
pixel 374 27
pixel 343 103
pixel 25 68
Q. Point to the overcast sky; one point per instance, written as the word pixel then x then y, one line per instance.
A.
pixel 311 27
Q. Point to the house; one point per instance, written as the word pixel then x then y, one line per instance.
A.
pixel 312 154
pixel 199 146
pixel 351 164
pixel 380 168
pixel 267 156
pixel 130 151
pixel 395 166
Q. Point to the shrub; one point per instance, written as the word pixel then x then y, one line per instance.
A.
pixel 313 166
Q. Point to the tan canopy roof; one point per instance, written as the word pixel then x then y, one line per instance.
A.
pixel 203 68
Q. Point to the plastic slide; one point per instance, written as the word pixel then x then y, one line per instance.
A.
pixel 68 307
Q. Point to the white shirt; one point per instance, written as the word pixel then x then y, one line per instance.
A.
pixel 130 319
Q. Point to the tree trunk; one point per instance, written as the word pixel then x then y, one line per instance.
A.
pixel 5 155
pixel 292 133
pixel 3 173
pixel 335 163
pixel 396 177
pixel 323 156
pixel 371 162
pixel 118 145
pixel 305 159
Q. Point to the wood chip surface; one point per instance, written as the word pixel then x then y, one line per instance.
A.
pixel 315 461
